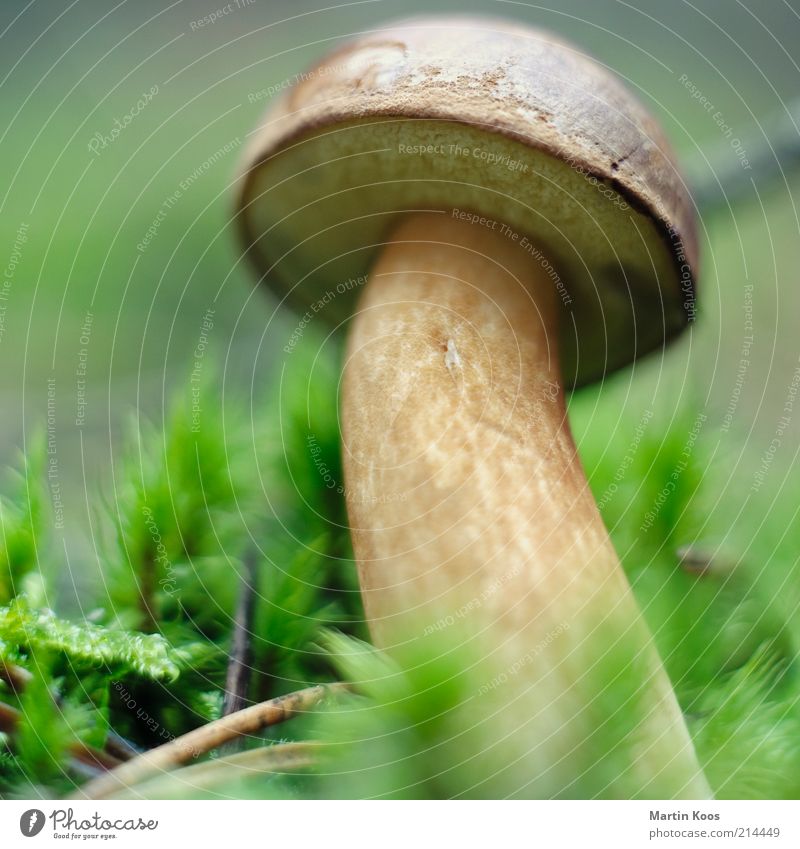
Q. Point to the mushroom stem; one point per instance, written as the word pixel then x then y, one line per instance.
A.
pixel 468 503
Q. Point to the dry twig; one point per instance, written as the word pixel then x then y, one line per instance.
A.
pixel 209 775
pixel 237 680
pixel 202 740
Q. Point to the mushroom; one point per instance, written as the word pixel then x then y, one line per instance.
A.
pixel 522 230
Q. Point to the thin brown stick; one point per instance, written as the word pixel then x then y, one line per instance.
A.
pixel 204 739
pixel 237 681
pixel 281 758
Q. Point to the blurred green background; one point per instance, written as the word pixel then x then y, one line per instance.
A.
pixel 70 69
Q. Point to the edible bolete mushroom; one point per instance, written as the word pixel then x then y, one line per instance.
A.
pixel 522 230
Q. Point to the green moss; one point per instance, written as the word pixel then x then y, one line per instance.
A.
pixel 194 513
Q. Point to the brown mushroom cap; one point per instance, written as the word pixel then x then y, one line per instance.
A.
pixel 477 117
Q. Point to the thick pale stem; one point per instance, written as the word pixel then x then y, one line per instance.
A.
pixel 468 503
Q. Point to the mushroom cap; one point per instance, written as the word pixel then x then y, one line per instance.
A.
pixel 502 124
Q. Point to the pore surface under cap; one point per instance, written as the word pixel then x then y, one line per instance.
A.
pixel 476 117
